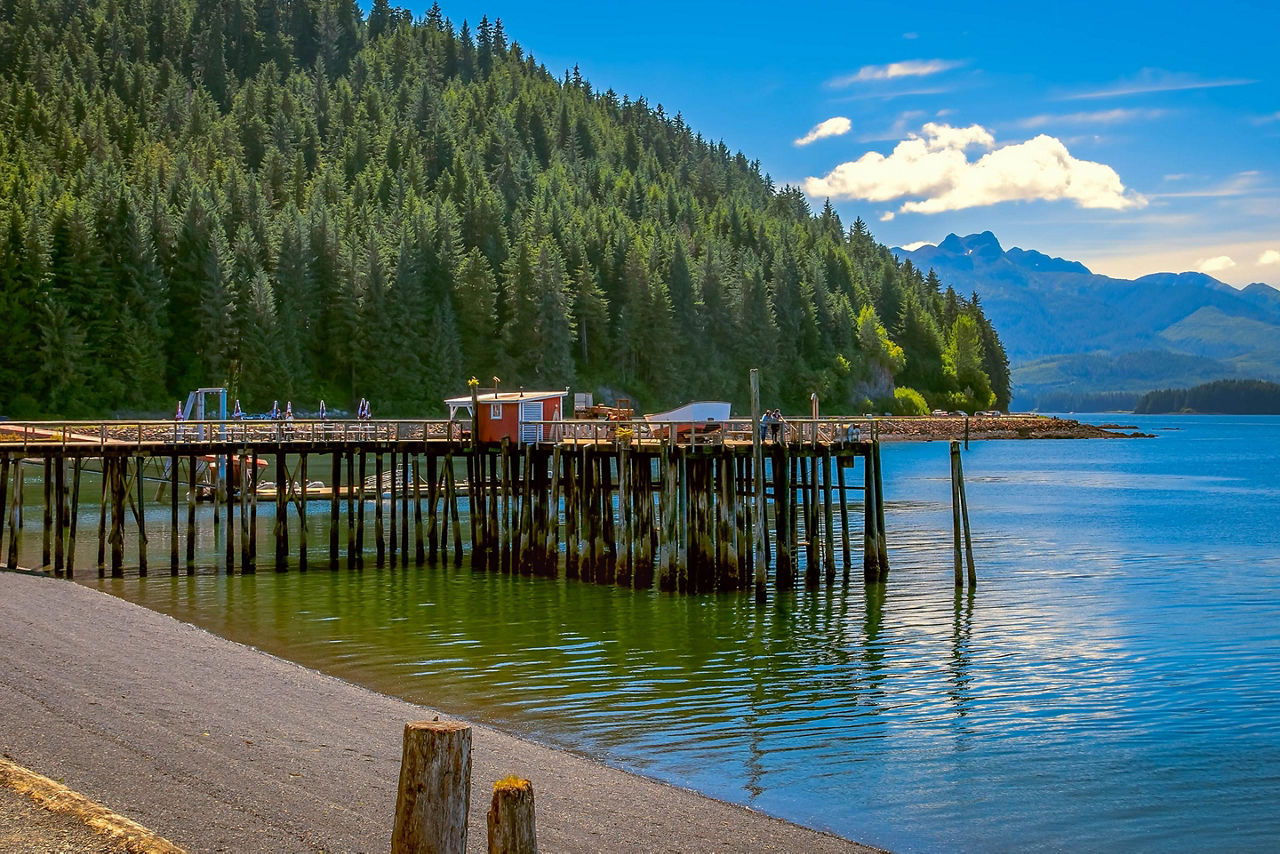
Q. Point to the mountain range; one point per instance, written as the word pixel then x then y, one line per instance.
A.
pixel 1073 335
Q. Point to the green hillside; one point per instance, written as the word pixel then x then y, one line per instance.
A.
pixel 298 201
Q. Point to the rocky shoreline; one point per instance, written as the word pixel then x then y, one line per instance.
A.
pixel 931 428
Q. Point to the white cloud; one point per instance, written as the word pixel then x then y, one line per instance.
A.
pixel 887 216
pixel 895 70
pixel 933 173
pixel 912 247
pixel 1156 80
pixel 834 126
pixel 1270 256
pixel 1099 117
pixel 1266 120
pixel 1216 264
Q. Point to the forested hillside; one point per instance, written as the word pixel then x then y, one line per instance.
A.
pixel 299 201
pixel 1234 397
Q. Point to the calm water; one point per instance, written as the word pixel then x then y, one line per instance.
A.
pixel 1115 680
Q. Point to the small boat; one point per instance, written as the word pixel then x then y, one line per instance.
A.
pixel 704 416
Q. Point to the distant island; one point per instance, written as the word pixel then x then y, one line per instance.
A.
pixel 1226 397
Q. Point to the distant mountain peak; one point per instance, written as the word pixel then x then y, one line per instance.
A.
pixel 985 249
pixel 984 245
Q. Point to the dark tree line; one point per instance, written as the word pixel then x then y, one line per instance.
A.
pixel 1234 397
pixel 299 201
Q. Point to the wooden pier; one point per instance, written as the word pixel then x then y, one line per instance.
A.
pixel 712 508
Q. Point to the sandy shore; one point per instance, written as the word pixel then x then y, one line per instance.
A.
pixel 220 747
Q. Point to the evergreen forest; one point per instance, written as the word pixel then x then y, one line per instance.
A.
pixel 1223 397
pixel 300 200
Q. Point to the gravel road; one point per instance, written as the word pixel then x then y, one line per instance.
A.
pixel 220 747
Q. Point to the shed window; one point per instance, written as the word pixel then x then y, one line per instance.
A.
pixel 495 411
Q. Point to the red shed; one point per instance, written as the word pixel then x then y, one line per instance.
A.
pixel 512 414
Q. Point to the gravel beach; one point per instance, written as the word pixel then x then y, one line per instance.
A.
pixel 220 747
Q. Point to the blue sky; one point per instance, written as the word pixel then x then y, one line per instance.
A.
pixel 1134 137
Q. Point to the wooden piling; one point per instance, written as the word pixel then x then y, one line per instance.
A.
pixel 510 819
pixel 360 502
pixel 46 516
pixel 504 509
pixel 242 484
pixel 335 484
pixel 759 549
pixel 552 547
pixel 379 531
pixel 419 543
pixel 453 510
pixel 302 513
pixel 812 568
pixel 955 516
pixel 251 495
pixel 351 510
pixel 828 517
pixel 60 515
pixel 117 517
pixel 784 573
pixel 102 517
pixel 844 520
pixel 140 516
pixel 229 493
pixel 432 525
pixel 191 516
pixel 76 465
pixel 4 495
pixel 626 552
pixel 173 511
pixel 434 793
pixel 882 541
pixel 15 523
pixel 404 509
pixel 870 548
pixel 960 520
pixel 391 509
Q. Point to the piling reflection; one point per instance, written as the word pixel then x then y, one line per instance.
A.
pixel 959 660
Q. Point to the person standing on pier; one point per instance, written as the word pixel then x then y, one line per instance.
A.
pixel 237 414
pixel 275 410
pixel 777 425
pixel 322 410
pixel 765 424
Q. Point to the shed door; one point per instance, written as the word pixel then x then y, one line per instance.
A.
pixel 530 410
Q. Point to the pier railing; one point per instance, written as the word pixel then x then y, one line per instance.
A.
pixel 821 431
pixel 27 434
pixel 810 431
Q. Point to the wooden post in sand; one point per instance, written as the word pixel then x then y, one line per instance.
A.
pixel 435 789
pixel 511 819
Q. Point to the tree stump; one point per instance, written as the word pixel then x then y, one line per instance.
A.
pixel 511 819
pixel 435 789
